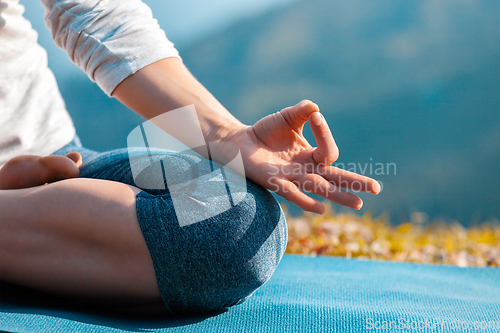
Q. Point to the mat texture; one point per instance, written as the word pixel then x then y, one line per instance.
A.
pixel 306 294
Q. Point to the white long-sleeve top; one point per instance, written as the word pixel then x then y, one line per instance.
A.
pixel 108 39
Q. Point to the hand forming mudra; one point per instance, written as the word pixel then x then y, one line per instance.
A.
pixel 277 156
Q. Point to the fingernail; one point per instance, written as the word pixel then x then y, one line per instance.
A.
pixel 316 118
pixel 376 187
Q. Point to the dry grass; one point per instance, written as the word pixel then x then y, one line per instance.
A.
pixel 350 235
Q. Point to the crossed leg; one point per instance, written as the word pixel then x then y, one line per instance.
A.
pixel 81 237
pixel 78 238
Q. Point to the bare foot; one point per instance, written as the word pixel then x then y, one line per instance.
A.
pixel 29 170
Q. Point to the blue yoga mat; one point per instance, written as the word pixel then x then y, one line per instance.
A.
pixel 307 294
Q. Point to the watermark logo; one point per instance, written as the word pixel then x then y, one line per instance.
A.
pixel 434 324
pixel 169 153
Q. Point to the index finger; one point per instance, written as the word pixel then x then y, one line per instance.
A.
pixel 327 151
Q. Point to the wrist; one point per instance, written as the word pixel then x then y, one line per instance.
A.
pixel 223 130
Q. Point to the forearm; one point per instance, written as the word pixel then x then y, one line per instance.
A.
pixel 167 85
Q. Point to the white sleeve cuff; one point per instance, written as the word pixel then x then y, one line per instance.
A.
pixel 108 39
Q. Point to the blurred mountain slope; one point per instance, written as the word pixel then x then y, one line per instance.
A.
pixel 415 83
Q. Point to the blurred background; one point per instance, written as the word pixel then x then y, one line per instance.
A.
pixel 410 88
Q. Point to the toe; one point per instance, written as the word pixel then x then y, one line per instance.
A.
pixel 75 157
pixel 58 167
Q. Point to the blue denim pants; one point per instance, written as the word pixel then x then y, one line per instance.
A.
pixel 209 265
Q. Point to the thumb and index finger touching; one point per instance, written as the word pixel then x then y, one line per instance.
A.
pixel 326 151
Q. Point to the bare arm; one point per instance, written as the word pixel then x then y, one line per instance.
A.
pixel 127 54
pixel 167 85
pixel 275 153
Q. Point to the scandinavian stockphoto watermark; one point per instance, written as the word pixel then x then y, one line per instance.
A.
pixel 339 177
pixel 169 153
pixel 369 168
pixel 434 324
